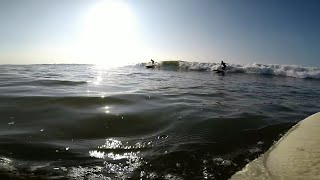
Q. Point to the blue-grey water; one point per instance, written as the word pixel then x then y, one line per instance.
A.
pixel 87 122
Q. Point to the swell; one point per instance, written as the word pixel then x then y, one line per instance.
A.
pixel 72 101
pixel 84 117
pixel 43 82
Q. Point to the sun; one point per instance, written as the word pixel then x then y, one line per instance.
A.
pixel 109 36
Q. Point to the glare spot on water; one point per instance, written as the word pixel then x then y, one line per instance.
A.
pixel 39 166
pixel 97 154
pixel 170 176
pixel 41 130
pixel 260 142
pixel 123 162
pixel 5 160
pixel 142 173
pixel 254 150
pixel 152 175
pixel 164 136
pixel 205 173
pixel 130 156
pixel 106 109
pixel 111 144
pixel 178 165
pixel 86 173
pixel 6 164
pixel 63 168
pixel 222 162
pixel 98 80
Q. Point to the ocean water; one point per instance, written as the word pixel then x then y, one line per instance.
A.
pixel 179 120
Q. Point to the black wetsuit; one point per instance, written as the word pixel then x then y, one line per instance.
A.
pixel 224 66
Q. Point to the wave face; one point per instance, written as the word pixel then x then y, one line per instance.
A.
pixel 264 69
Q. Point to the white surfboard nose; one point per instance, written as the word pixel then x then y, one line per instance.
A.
pixel 295 156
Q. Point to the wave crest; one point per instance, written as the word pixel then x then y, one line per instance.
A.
pixel 255 68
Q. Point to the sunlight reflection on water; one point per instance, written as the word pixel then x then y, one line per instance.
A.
pixel 126 158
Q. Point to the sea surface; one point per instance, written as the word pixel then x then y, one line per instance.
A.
pixel 180 120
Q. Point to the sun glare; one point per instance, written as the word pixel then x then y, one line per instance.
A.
pixel 109 35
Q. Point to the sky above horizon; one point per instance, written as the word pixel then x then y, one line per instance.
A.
pixel 118 32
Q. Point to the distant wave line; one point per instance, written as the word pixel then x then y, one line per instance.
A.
pixel 255 68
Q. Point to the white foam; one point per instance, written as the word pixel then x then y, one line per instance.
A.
pixel 279 70
pixel 255 68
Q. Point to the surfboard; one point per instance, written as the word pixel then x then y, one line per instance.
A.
pixel 295 156
pixel 150 66
pixel 218 71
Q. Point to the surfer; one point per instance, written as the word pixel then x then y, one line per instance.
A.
pixel 224 66
pixel 150 65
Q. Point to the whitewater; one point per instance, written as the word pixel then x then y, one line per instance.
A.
pixel 255 68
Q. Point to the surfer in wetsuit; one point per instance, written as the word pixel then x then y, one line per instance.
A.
pixel 224 66
pixel 152 61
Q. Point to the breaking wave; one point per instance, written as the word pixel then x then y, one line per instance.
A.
pixel 255 68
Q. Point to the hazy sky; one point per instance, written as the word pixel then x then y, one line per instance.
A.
pixel 127 31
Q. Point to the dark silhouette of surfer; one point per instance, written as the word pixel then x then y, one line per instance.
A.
pixel 224 66
pixel 152 61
